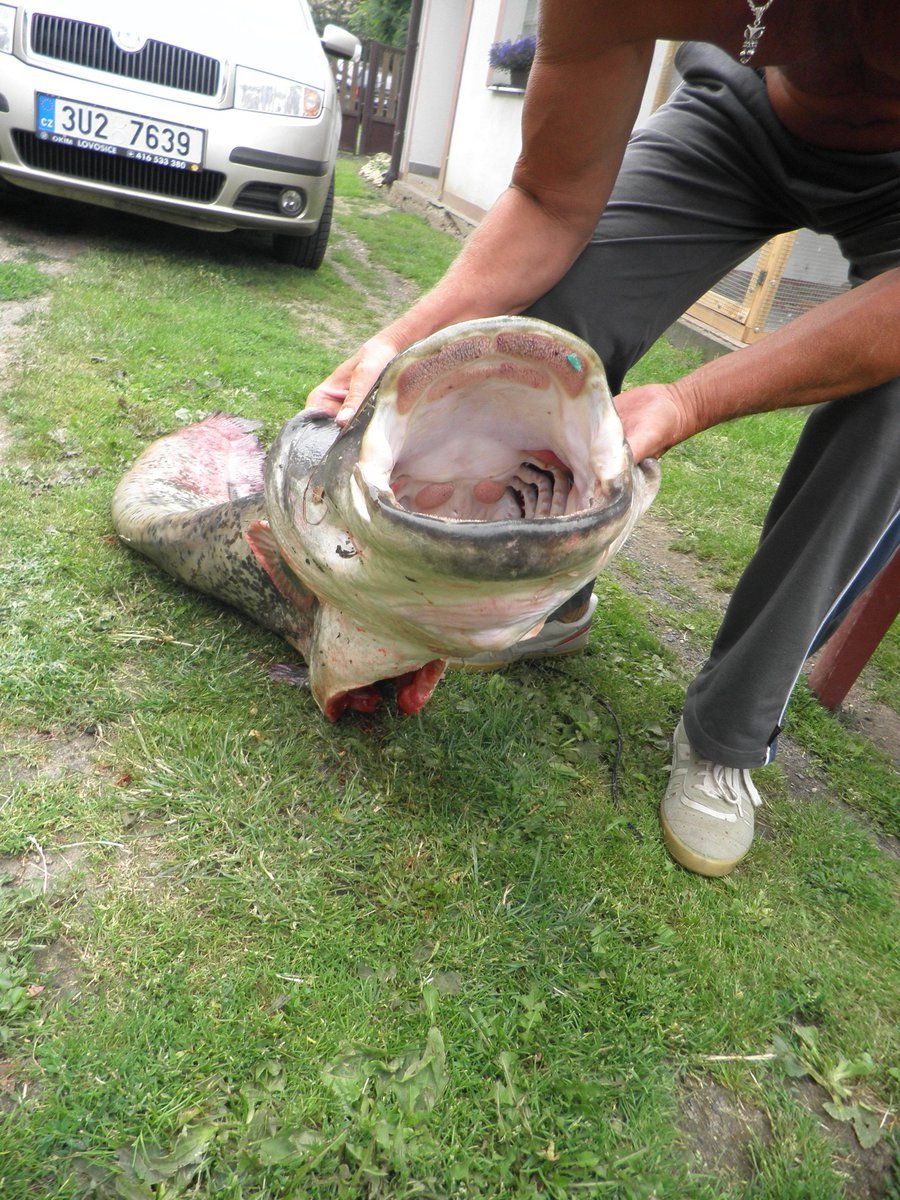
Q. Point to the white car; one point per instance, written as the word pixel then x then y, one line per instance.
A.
pixel 214 115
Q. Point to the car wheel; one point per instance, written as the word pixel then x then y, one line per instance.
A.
pixel 309 251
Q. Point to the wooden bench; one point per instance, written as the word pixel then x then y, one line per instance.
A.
pixel 851 646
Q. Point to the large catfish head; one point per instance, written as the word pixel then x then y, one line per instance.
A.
pixel 484 480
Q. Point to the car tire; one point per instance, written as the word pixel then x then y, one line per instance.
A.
pixel 306 252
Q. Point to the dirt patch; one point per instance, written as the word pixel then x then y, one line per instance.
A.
pixel 48 754
pixel 59 965
pixel 12 314
pixel 395 293
pixel 867 1172
pixel 720 1132
pixel 42 869
pixel 50 253
pixel 420 199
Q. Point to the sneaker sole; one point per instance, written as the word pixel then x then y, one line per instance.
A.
pixel 712 867
pixel 498 663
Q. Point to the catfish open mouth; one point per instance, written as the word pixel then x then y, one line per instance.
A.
pixel 484 481
pixel 493 427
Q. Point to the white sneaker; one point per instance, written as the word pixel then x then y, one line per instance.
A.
pixel 707 813
pixel 569 636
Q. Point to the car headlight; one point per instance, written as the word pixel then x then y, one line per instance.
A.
pixel 257 92
pixel 7 27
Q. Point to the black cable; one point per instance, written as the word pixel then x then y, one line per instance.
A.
pixel 617 757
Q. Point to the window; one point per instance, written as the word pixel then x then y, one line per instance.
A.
pixel 518 18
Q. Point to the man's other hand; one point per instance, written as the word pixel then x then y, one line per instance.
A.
pixel 652 419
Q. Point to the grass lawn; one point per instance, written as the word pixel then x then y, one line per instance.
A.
pixel 247 954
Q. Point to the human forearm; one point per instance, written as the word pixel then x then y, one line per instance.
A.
pixel 511 259
pixel 840 348
pixel 517 253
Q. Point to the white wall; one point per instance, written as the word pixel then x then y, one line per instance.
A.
pixel 486 130
pixel 440 52
pixel 486 135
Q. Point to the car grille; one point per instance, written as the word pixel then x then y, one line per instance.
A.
pixel 92 46
pixel 116 170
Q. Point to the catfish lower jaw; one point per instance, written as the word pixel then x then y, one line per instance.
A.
pixel 484 551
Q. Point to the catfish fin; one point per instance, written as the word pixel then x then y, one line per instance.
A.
pixel 259 538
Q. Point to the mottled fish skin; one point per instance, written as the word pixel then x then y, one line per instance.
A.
pixel 484 480
pixel 169 509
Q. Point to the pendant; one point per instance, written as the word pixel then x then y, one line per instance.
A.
pixel 753 32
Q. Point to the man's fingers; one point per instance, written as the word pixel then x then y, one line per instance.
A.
pixel 331 393
pixel 369 363
pixel 345 389
pixel 323 399
pixel 651 420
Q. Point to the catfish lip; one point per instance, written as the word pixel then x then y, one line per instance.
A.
pixel 496 550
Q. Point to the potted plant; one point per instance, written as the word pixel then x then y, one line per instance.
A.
pixel 514 56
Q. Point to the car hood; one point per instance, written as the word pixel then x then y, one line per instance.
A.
pixel 277 36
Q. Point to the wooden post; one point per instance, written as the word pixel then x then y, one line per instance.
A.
pixel 851 645
pixel 368 96
pixel 769 270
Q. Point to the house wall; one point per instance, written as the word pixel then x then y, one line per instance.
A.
pixel 441 48
pixel 482 134
pixel 486 136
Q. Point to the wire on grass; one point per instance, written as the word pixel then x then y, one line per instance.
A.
pixel 617 757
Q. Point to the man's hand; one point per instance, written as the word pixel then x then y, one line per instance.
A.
pixel 653 420
pixel 342 393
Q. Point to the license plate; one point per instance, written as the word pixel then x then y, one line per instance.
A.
pixel 92 127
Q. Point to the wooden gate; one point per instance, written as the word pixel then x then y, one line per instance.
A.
pixel 368 92
pixel 740 304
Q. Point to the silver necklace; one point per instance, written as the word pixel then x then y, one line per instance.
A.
pixel 754 31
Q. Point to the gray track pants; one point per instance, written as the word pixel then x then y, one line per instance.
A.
pixel 709 180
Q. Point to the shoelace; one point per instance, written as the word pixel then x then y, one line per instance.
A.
pixel 732 785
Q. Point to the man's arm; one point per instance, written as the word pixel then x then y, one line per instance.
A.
pixel 583 96
pixel 843 346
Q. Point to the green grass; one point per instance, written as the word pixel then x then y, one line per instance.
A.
pixel 21 281
pixel 389 957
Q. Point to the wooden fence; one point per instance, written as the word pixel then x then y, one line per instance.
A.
pixel 368 92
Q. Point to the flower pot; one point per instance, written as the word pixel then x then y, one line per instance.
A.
pixel 518 77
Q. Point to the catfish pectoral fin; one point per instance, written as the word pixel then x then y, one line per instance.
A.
pixel 262 543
